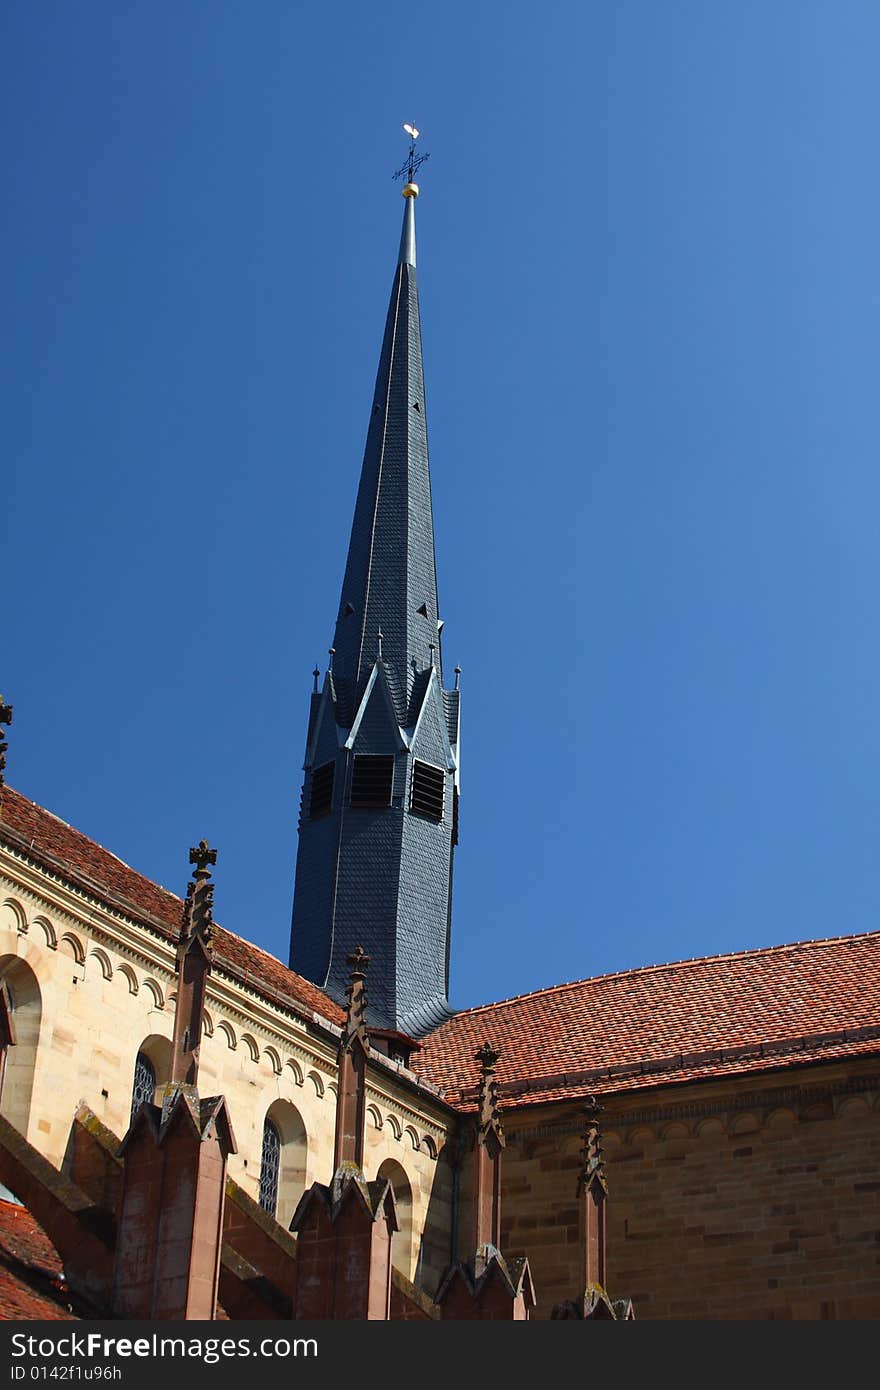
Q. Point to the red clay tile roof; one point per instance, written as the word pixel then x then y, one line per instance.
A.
pixel 696 1019
pixel 63 850
pixel 31 1277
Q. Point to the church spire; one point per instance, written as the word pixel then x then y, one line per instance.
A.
pixel 390 583
pixel 379 803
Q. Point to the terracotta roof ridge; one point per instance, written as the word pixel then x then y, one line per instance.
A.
pixel 132 870
pixel 122 900
pixel 673 1062
pixel 252 946
pixel 665 965
pixel 230 968
pixel 137 911
pixel 75 830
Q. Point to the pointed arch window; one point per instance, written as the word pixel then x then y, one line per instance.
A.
pixel 270 1168
pixel 144 1088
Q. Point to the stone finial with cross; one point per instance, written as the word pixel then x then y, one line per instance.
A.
pixel 356 991
pixel 194 961
pixel 198 911
pixel 358 960
pixel 202 855
pixel 5 718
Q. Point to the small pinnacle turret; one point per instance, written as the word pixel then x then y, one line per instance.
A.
pixel 194 960
pixel 354 1049
pixel 592 1156
pixel 5 718
pixel 487 1161
pixel 379 809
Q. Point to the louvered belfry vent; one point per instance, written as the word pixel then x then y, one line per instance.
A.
pixel 426 797
pixel 371 781
pixel 321 793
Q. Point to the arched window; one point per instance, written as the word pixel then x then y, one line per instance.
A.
pixel 270 1167
pixel 288 1162
pixel 152 1069
pixel 402 1245
pixel 144 1084
pixel 25 1013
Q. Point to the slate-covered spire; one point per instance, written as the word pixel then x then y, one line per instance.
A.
pixel 390 583
pixel 379 811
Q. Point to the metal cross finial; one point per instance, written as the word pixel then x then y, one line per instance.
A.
pixel 315 676
pixel 202 855
pixel 413 161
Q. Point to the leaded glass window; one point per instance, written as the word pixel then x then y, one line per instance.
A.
pixel 144 1083
pixel 270 1168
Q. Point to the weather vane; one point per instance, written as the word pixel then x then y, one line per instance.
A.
pixel 413 161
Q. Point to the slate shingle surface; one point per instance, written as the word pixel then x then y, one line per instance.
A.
pixel 380 878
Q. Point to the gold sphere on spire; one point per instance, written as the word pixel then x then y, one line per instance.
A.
pixel 411 190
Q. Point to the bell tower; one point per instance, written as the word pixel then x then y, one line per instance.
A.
pixel 379 810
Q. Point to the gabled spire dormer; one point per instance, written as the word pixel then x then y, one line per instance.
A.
pixel 379 803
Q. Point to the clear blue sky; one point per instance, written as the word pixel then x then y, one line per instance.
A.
pixel 648 265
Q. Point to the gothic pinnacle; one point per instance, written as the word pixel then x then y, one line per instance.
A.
pixel 5 718
pixel 592 1157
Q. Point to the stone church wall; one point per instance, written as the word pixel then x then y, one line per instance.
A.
pixel 92 989
pixel 752 1198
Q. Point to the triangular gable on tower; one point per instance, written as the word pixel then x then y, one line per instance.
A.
pixel 375 728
